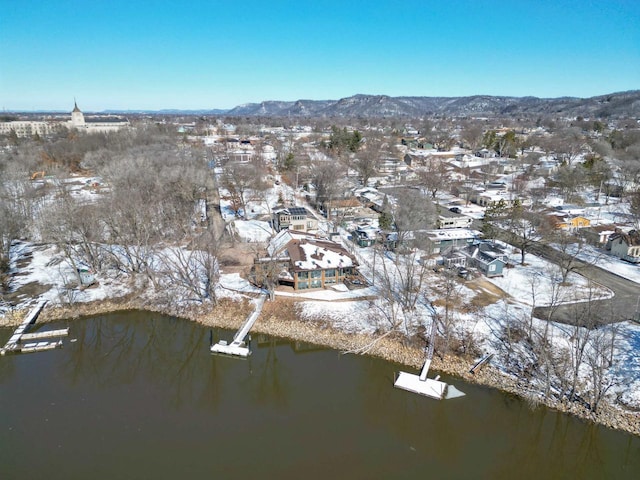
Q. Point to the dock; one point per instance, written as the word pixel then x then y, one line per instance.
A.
pixel 238 347
pixel 420 384
pixel 37 344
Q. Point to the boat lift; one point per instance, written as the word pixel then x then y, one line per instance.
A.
pixel 420 384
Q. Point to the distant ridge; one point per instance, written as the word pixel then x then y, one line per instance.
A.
pixel 169 111
pixel 603 106
pixel 612 105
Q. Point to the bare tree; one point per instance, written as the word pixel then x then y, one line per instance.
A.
pixel 522 225
pixel 568 144
pixel 325 177
pixel 239 179
pixel 59 225
pixel 192 271
pixel 368 158
pixel 433 176
pixel 412 212
pixel 600 360
pixel 472 132
pixel 12 222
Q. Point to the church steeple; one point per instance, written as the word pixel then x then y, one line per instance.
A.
pixel 77 118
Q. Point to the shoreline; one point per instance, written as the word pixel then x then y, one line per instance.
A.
pixel 279 319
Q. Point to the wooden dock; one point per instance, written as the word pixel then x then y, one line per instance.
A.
pixel 16 342
pixel 237 346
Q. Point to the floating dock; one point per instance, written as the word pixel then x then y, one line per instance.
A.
pixel 420 384
pixel 237 347
pixel 16 342
pixel 429 387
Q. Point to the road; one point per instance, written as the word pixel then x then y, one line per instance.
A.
pixel 622 306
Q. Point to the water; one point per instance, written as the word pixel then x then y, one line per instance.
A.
pixel 138 396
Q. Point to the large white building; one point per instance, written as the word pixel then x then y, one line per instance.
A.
pixel 94 124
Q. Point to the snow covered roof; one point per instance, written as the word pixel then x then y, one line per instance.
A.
pixel 452 234
pixel 296 211
pixel 309 253
pixel 317 254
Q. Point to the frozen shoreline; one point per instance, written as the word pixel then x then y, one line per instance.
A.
pixel 279 321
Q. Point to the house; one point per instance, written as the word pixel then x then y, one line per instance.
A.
pixel 485 198
pixel 625 245
pixel 598 234
pixel 489 258
pixel 454 258
pixel 452 219
pixel 365 235
pixel 305 262
pixel 567 222
pixel 294 218
pixel 344 208
pixel 440 240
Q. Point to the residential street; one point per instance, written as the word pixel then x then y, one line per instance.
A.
pixel 623 305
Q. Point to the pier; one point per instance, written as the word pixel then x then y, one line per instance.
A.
pixel 238 347
pixel 37 344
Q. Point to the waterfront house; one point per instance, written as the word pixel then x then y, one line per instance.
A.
pixel 304 261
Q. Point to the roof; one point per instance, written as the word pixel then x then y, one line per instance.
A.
pixel 632 238
pixel 298 211
pixel 105 120
pixel 75 108
pixel 309 253
pixel 452 234
pixel 484 256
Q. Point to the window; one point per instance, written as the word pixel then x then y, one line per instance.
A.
pixel 316 283
pixel 303 285
pixel 316 273
pixel 303 275
pixel 492 268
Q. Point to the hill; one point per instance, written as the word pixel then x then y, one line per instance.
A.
pixel 619 104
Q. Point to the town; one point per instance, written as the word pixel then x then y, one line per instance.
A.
pixel 511 239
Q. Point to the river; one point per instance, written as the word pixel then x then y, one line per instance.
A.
pixel 137 395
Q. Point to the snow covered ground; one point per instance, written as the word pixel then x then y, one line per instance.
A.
pixel 356 311
pixel 539 283
pixel 606 261
pixel 48 268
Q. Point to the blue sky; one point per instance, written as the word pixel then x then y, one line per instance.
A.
pixel 113 54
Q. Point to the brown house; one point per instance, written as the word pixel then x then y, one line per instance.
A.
pixel 304 261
